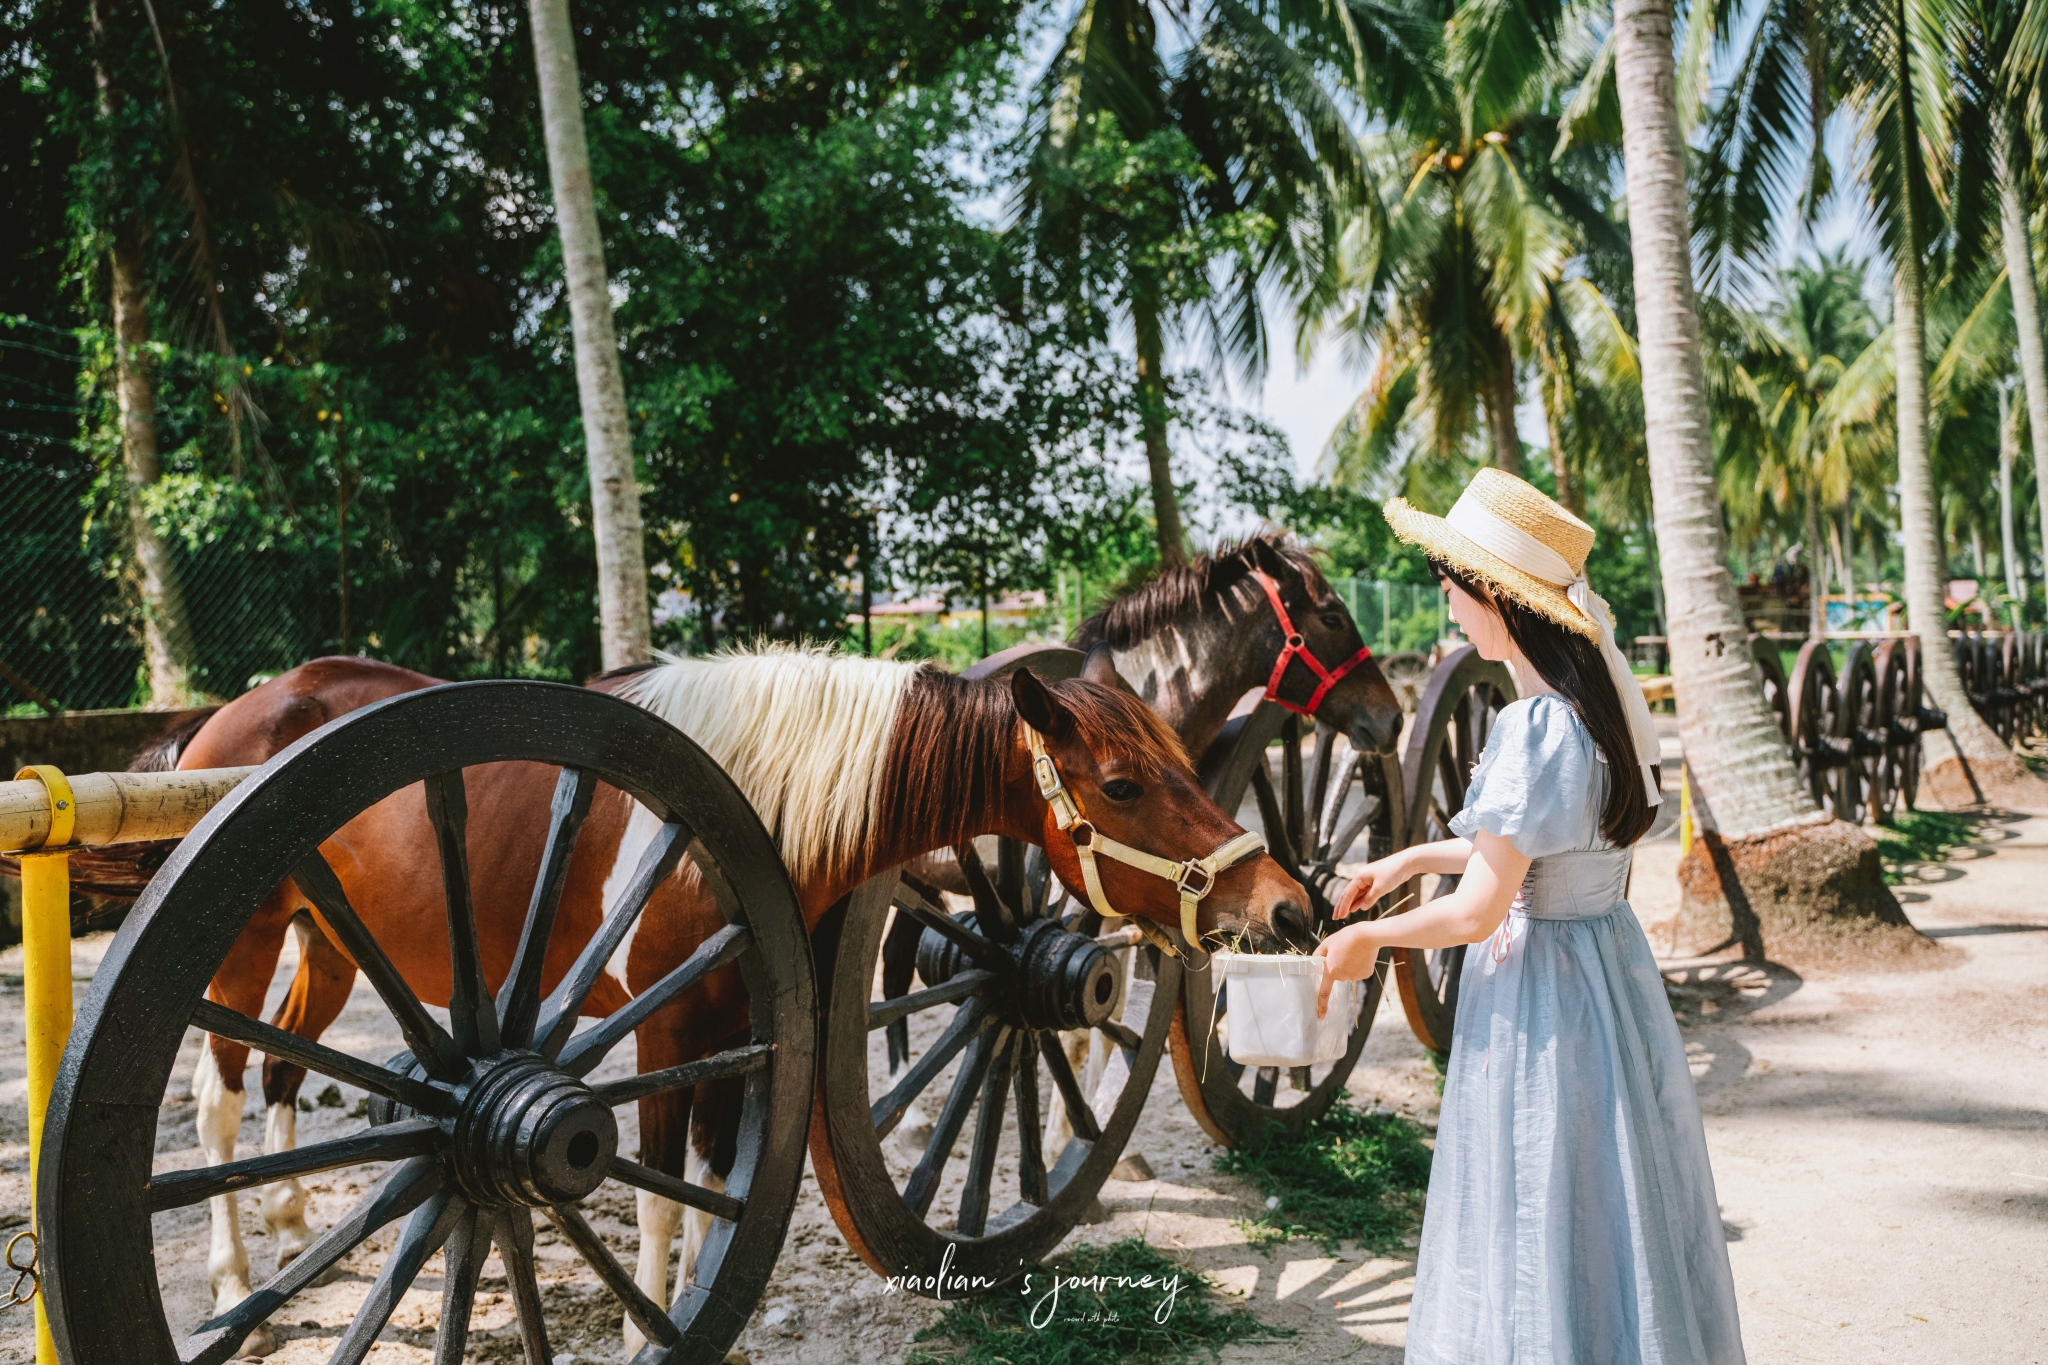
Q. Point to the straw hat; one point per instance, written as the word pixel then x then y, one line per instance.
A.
pixel 1504 532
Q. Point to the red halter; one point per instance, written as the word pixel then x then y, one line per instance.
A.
pixel 1297 648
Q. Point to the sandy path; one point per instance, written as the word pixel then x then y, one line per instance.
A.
pixel 1880 1145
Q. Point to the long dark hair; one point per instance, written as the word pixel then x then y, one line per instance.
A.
pixel 1572 664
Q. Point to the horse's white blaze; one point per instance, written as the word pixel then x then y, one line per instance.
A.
pixel 658 1218
pixel 219 1121
pixel 641 828
pixel 803 732
pixel 284 1203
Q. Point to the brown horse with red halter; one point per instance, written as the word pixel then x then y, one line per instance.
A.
pixel 894 760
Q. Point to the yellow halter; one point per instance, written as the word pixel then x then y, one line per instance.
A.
pixel 1194 878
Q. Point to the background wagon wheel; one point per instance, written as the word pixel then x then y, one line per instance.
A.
pixel 1819 739
pixel 1861 721
pixel 1008 994
pixel 1458 708
pixel 1896 718
pixel 498 1124
pixel 1777 691
pixel 1314 816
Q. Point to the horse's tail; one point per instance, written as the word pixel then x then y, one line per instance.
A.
pixel 160 755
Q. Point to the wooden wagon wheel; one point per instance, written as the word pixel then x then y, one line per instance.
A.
pixel 1898 719
pixel 1820 744
pixel 1451 724
pixel 1777 691
pixel 1004 990
pixel 1861 721
pixel 492 1131
pixel 1314 817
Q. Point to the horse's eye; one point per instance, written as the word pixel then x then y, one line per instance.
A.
pixel 1333 620
pixel 1122 789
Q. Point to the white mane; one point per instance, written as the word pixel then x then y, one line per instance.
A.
pixel 802 730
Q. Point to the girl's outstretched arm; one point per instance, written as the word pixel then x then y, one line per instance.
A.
pixel 1492 877
pixel 1381 877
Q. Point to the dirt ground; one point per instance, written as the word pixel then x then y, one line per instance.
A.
pixel 1879 1142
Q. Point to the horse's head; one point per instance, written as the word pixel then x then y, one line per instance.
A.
pixel 1361 704
pixel 1130 781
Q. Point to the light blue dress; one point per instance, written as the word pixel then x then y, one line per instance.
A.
pixel 1571 1216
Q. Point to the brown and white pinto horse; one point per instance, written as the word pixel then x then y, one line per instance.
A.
pixel 853 765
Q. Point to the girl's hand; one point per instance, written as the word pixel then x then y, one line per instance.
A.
pixel 1348 955
pixel 1368 886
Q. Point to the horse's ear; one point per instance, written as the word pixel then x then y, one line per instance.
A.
pixel 1265 555
pixel 1100 665
pixel 1038 707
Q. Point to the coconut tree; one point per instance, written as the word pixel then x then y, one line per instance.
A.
pixel 1768 857
pixel 1165 136
pixel 1887 61
pixel 1450 281
pixel 1993 86
pixel 623 621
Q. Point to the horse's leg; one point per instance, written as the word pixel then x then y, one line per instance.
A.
pixel 664 1138
pixel 714 1146
pixel 217 1086
pixel 318 992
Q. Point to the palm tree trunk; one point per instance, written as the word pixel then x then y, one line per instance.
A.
pixel 2026 316
pixel 1173 550
pixel 623 622
pixel 1500 410
pixel 1972 763
pixel 1554 382
pixel 2008 440
pixel 1816 573
pixel 1766 858
pixel 166 629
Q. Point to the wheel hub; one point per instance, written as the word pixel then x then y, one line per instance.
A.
pixel 1058 980
pixel 529 1133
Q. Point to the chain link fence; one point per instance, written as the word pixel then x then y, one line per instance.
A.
pixel 1395 617
pixel 71 622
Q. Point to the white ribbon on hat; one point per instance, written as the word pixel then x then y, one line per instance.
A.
pixel 1510 544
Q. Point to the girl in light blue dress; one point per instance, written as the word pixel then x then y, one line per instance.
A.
pixel 1571 1217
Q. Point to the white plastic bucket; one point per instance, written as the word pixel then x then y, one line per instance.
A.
pixel 1270 1009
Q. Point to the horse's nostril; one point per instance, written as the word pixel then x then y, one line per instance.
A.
pixel 1291 920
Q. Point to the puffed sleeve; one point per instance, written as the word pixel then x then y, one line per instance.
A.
pixel 1540 783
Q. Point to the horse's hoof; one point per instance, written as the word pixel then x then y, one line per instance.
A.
pixel 738 1357
pixel 260 1343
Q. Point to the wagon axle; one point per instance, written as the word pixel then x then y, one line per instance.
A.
pixel 1051 978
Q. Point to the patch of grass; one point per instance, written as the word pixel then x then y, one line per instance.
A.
pixel 1921 836
pixel 1352 1176
pixel 1098 1305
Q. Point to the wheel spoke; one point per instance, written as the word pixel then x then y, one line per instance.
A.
pixel 1080 1117
pixel 885 1012
pixel 1295 800
pixel 924 1180
pixel 427 1039
pixel 1030 1138
pixel 515 1247
pixel 1125 1035
pixel 470 1011
pixel 1264 1085
pixel 996 918
pixel 654 1324
pixel 674 1187
pixel 1318 799
pixel 1335 850
pixel 427 1229
pixel 272 1041
pixel 912 902
pixel 1010 877
pixel 519 997
pixel 1271 817
pixel 176 1189
pixel 559 1012
pixel 468 1245
pixel 402 1191
pixel 988 1137
pixel 1038 880
pixel 736 1061
pixel 587 1050
pixel 968 1022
